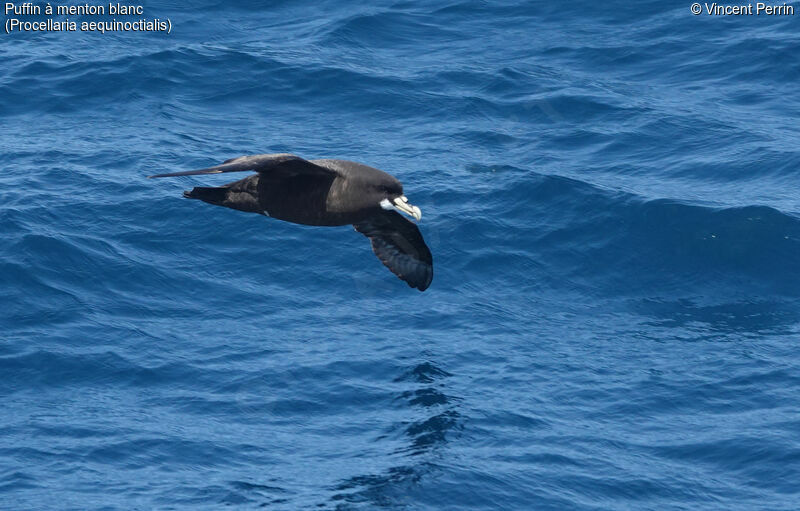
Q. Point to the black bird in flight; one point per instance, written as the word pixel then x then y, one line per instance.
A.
pixel 327 193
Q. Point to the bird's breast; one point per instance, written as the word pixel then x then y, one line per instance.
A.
pixel 309 200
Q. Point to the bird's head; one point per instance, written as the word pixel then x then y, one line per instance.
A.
pixel 391 197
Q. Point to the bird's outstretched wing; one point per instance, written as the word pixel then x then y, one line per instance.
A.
pixel 399 245
pixel 262 163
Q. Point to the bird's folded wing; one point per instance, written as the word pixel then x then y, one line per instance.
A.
pixel 399 245
pixel 263 163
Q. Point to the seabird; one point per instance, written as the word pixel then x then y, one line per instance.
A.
pixel 327 193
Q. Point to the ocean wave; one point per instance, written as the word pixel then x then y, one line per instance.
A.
pixel 603 237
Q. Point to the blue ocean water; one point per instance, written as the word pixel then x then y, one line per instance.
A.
pixel 610 192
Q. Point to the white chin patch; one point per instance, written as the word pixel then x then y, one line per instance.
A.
pixel 385 204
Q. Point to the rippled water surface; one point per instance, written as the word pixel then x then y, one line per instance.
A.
pixel 610 193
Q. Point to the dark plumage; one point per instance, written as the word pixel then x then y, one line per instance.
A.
pixel 327 192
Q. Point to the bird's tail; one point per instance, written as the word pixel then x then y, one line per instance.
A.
pixel 211 194
pixel 233 195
